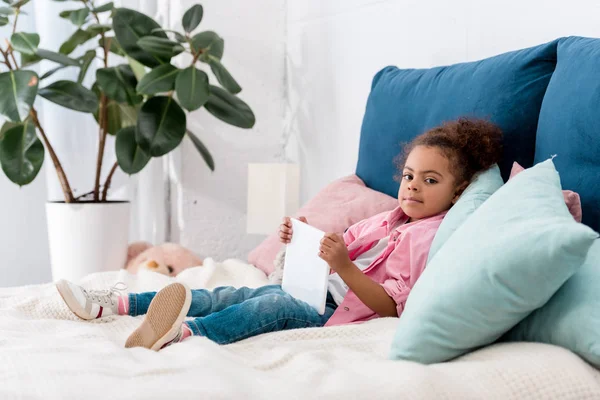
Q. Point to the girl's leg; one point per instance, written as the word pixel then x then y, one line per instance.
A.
pixel 204 302
pixel 275 311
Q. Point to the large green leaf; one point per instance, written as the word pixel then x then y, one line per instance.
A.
pixel 180 38
pixel 223 76
pixel 129 27
pixel 77 17
pixel 160 47
pixel 118 83
pixel 160 126
pixel 76 39
pixel 159 80
pixel 86 61
pixel 26 43
pixel 105 7
pixel 192 88
pixel 192 17
pixel 19 3
pixel 8 125
pixel 119 115
pixel 18 89
pixel 56 57
pixel 6 11
pixel 71 95
pixel 229 108
pixel 131 158
pixel 3 20
pixel 210 43
pixel 21 153
pixel 202 150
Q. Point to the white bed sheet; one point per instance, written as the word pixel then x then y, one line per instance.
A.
pixel 47 353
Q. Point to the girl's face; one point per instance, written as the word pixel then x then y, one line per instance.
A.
pixel 428 186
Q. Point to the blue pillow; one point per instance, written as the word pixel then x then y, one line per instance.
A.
pixel 480 189
pixel 571 318
pixel 507 89
pixel 569 121
pixel 503 262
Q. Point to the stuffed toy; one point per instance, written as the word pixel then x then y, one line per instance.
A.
pixel 167 258
pixel 276 277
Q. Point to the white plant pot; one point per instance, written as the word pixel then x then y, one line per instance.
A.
pixel 85 238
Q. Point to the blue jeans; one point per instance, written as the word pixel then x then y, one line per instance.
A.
pixel 226 314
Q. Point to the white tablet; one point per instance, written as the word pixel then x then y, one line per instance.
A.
pixel 305 274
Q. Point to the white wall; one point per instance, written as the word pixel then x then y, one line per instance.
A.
pixel 333 49
pixel 211 216
pixel 23 237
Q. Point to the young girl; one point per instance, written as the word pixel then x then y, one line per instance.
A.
pixel 375 263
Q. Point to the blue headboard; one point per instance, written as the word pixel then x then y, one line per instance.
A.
pixel 546 99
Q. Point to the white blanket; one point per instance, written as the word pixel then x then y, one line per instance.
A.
pixel 48 353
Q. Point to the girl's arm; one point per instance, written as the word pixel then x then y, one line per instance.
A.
pixel 372 294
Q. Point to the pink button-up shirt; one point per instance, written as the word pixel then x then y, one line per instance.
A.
pixel 397 268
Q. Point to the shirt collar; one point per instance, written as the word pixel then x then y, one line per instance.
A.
pixel 397 214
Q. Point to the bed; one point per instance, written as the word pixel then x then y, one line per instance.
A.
pixel 48 353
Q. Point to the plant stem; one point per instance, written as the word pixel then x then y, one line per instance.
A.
pixel 17 12
pixel 195 53
pixel 102 143
pixel 102 117
pixel 196 56
pixel 62 177
pixel 109 180
pixel 6 60
pixel 12 54
pixel 9 51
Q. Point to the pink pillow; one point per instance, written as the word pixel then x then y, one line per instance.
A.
pixel 339 205
pixel 572 199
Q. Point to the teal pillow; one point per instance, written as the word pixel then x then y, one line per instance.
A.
pixel 503 262
pixel 569 120
pixel 483 186
pixel 507 89
pixel 571 318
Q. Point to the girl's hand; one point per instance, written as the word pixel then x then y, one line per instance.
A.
pixel 333 250
pixel 285 229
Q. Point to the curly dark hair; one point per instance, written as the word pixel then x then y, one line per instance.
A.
pixel 471 145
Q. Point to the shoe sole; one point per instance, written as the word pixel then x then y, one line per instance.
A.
pixel 69 298
pixel 166 313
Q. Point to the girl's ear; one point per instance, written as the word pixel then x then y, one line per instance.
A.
pixel 459 191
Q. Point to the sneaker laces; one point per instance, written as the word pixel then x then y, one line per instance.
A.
pixel 106 296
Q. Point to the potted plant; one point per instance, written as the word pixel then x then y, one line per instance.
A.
pixel 142 100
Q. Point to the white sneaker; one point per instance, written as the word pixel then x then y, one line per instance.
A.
pixel 91 304
pixel 162 325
